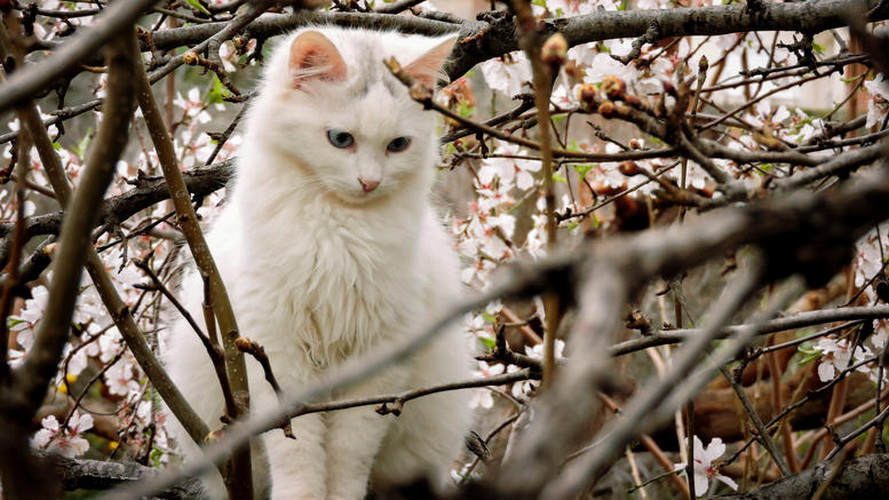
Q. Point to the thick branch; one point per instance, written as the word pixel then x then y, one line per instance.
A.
pixel 82 214
pixel 693 21
pixel 101 475
pixel 200 181
pixel 118 17
pixel 20 400
pixel 498 37
pixel 862 477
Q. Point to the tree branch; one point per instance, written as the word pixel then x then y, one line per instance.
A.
pixel 239 479
pixel 29 382
pixel 117 308
pixel 102 475
pixel 116 18
pixel 862 477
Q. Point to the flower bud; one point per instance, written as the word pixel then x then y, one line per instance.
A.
pixel 703 64
pixel 555 50
pixel 588 95
pixel 602 188
pixel 190 58
pixel 213 436
pixel 607 109
pixel 629 168
pixel 244 344
pixel 634 101
pixel 614 87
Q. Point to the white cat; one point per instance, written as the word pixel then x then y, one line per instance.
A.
pixel 329 248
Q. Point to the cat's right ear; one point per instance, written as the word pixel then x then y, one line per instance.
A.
pixel 313 56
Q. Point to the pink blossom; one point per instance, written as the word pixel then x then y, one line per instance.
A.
pixel 66 441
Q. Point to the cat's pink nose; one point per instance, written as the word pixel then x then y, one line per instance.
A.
pixel 368 185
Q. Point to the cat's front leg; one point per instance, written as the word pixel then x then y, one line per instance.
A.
pixel 355 436
pixel 296 466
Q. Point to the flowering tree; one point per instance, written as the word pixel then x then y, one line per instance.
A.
pixel 670 216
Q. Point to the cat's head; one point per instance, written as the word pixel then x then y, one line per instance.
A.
pixel 330 103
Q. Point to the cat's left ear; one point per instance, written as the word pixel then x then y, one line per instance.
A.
pixel 314 56
pixel 427 68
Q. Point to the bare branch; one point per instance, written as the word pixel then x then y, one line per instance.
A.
pixel 799 320
pixel 40 366
pixel 860 477
pixel 118 17
pixel 30 381
pixel 117 308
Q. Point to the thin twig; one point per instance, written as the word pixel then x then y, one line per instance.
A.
pixel 531 40
pixel 763 434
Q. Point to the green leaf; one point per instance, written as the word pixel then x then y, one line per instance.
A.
pixel 197 5
pixel 84 143
pixel 214 95
pixel 559 178
pixel 819 49
pixel 810 358
pixel 465 109
pixel 488 342
pixel 583 168
pixel 809 354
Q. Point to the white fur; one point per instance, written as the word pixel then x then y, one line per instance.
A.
pixel 319 271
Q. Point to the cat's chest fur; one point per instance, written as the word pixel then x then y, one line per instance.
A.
pixel 319 280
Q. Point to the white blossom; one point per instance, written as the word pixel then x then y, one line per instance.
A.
pixel 704 467
pixel 876 107
pixel 120 380
pixel 507 75
pixel 66 441
pixel 536 352
pixel 482 397
pixel 836 356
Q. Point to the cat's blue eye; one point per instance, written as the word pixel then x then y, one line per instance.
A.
pixel 340 138
pixel 398 144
